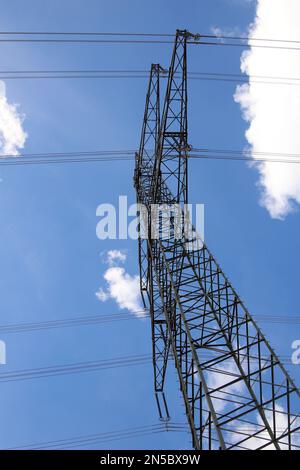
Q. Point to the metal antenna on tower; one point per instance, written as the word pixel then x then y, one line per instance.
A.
pixel 237 394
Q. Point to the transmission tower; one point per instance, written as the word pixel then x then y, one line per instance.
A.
pixel 236 392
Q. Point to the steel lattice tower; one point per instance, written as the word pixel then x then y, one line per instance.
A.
pixel 237 394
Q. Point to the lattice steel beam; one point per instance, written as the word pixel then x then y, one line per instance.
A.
pixel 145 161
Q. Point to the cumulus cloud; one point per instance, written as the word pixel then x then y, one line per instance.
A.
pixel 120 286
pixel 221 377
pixel 273 111
pixel 124 289
pixel 243 430
pixel 12 135
pixel 224 377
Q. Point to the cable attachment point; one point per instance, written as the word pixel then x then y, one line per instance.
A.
pixel 195 37
pixel 163 71
pixel 162 407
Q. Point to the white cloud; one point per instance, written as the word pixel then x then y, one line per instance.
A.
pixel 222 376
pixel 120 285
pixel 12 135
pixel 124 289
pixel 243 430
pixel 115 256
pixel 226 31
pixel 273 111
pixel 102 295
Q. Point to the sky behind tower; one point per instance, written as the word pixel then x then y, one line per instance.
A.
pixel 54 266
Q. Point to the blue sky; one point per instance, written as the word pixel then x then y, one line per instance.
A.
pixel 51 263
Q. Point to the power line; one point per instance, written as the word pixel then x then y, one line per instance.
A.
pixel 240 75
pixel 249 38
pixel 244 152
pixel 248 80
pixel 244 155
pixel 81 71
pixel 119 435
pixel 144 41
pixel 37 77
pixel 143 71
pixel 229 78
pixel 144 34
pixel 128 154
pixel 20 161
pixel 24 327
pixel 232 44
pixel 96 440
pixel 139 41
pixel 71 322
pixel 107 364
pixel 82 33
pixel 244 159
pixel 74 368
pixel 74 154
pixel 88 41
pixel 105 436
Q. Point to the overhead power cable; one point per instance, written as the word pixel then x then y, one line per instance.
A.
pixel 71 322
pixel 247 152
pixel 143 41
pixel 243 45
pixel 142 74
pixel 128 155
pixel 119 437
pixel 106 436
pixel 74 368
pixel 88 41
pixel 81 33
pixel 244 158
pixel 91 71
pixel 100 319
pixel 143 34
pixel 93 37
pixel 249 38
pixel 93 366
pixel 68 157
pixel 83 153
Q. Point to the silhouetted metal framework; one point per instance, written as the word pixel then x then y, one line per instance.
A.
pixel 236 392
pixel 145 161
